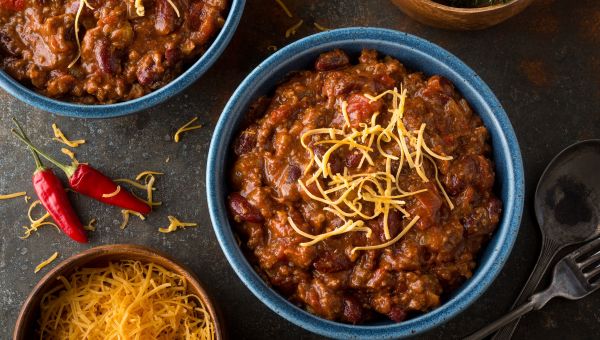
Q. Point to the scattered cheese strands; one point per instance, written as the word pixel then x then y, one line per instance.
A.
pixel 46 262
pixel 365 195
pixel 114 193
pixel 139 8
pixel 126 214
pixel 186 127
pixel 130 182
pixel 14 195
pixel 146 173
pixel 60 137
pixel 175 224
pixel 82 3
pixel 285 8
pixel 174 8
pixel 292 30
pixel 35 224
pixel 27 198
pixel 321 28
pixel 124 300
pixel 70 154
pixel 90 226
pixel 390 242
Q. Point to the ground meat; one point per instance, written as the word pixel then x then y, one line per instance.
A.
pixel 123 55
pixel 432 259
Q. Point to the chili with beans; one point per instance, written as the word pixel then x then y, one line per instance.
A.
pixel 328 279
pixel 123 55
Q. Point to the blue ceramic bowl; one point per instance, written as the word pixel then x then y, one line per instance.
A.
pixel 151 99
pixel 416 54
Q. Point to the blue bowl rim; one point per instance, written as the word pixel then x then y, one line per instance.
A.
pixel 469 292
pixel 149 100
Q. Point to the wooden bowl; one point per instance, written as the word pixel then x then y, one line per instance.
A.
pixel 441 16
pixel 99 256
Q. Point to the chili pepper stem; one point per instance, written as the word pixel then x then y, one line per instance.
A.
pixel 69 170
pixel 38 163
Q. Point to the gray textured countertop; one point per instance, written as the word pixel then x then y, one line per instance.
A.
pixel 543 65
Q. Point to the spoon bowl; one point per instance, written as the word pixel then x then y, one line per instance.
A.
pixel 567 209
pixel 567 198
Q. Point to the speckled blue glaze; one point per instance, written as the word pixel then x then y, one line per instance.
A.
pixel 151 99
pixel 416 54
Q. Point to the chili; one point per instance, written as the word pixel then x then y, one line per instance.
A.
pixel 88 181
pixel 51 193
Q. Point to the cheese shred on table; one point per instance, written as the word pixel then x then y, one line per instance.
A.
pixel 46 262
pixel 60 137
pixel 35 224
pixel 13 195
pixel 175 224
pixel 126 214
pixel 285 8
pixel 186 127
pixel 292 30
pixel 124 300
pixel 90 226
pixel 70 154
pixel 348 195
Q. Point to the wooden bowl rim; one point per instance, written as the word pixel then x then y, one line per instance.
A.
pixel 126 250
pixel 476 10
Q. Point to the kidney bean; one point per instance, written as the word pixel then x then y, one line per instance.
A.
pixel 353 311
pixel 397 314
pixel 245 142
pixel 242 210
pixel 353 159
pixel 172 56
pixel 294 173
pixel 104 57
pixel 332 60
pixel 165 18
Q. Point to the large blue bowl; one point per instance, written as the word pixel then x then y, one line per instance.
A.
pixel 417 54
pixel 151 99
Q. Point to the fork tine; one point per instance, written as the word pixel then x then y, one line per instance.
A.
pixel 595 257
pixel 590 247
pixel 592 274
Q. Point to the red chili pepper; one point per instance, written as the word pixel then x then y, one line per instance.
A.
pixel 88 181
pixel 51 193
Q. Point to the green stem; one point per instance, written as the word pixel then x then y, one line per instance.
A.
pixel 69 170
pixel 38 162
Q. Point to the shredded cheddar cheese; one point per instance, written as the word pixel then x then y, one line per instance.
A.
pixel 285 8
pixel 70 154
pixel 114 193
pixel 90 226
pixel 60 137
pixel 292 30
pixel 139 8
pixel 13 195
pixel 320 28
pixel 186 127
pixel 124 300
pixel 146 173
pixel 126 214
pixel 35 224
pixel 175 224
pixel 366 195
pixel 46 262
pixel 82 3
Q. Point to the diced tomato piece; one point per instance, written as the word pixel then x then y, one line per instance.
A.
pixel 12 5
pixel 360 109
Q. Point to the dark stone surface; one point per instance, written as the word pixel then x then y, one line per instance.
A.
pixel 543 65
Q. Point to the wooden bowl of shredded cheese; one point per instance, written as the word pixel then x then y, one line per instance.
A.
pixel 118 292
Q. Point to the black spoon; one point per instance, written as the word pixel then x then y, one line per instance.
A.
pixel 567 208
